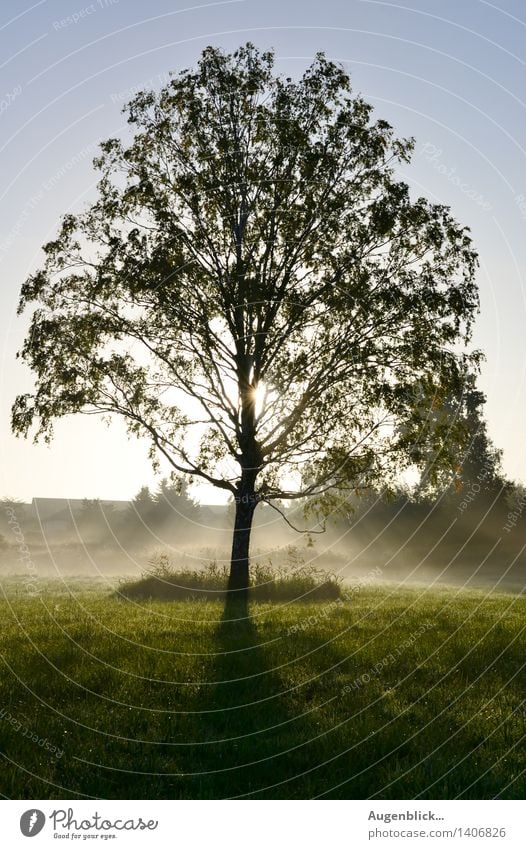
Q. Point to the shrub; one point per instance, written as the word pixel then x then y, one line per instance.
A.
pixel 163 582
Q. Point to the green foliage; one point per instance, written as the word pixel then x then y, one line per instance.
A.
pixel 254 270
pixel 481 465
pixel 472 461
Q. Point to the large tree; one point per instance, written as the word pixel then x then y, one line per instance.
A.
pixel 255 272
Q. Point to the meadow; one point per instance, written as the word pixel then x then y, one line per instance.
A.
pixel 387 693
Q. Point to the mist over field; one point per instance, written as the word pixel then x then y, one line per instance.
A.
pixel 475 539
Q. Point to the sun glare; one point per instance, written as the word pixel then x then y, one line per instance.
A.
pixel 260 395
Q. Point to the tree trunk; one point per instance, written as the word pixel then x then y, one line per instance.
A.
pixel 239 571
pixel 250 461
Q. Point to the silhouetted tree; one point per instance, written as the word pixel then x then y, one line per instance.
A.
pixel 173 503
pixel 141 511
pixel 254 270
pixel 475 465
pixel 481 464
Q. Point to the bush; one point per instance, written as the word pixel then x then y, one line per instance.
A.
pixel 163 582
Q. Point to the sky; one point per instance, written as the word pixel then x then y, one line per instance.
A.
pixel 449 73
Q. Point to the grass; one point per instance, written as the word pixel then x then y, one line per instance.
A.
pixel 386 693
pixel 163 582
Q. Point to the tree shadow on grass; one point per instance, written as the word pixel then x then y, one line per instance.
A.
pixel 248 722
pixel 271 743
pixel 234 732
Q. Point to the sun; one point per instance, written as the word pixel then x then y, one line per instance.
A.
pixel 260 395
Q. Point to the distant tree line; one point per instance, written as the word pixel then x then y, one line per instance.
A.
pixel 165 511
pixel 476 507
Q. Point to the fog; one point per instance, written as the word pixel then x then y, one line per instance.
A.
pixel 476 541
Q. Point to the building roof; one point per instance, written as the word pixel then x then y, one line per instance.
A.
pixel 47 508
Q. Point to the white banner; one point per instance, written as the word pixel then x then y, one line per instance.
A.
pixel 264 824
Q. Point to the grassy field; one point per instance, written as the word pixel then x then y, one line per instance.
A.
pixel 391 694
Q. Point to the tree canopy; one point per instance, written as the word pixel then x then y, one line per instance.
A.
pixel 256 291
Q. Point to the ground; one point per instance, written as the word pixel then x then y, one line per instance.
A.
pixel 392 694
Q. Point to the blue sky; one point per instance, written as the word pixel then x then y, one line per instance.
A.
pixel 449 73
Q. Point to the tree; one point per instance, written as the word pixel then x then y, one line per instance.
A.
pixel 254 272
pixel 481 464
pixel 173 503
pixel 474 463
pixel 138 517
